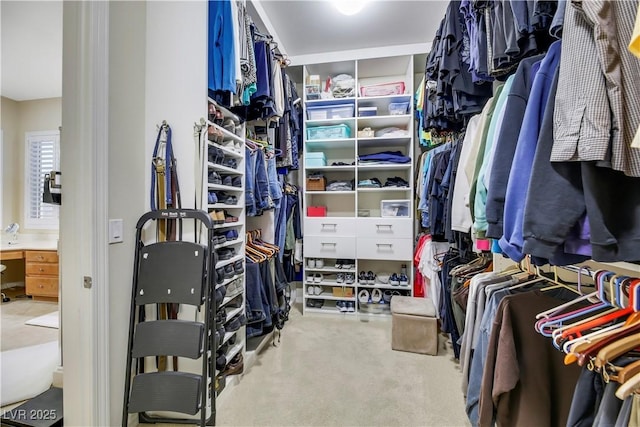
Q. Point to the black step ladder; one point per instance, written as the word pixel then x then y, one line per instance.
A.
pixel 172 272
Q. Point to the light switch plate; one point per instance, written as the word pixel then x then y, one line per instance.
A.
pixel 115 231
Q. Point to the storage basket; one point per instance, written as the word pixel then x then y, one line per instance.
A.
pixel 384 89
pixel 315 159
pixel 316 211
pixel 398 108
pixel 337 111
pixel 342 291
pixel 329 132
pixel 316 183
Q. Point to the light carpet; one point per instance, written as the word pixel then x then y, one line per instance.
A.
pixel 27 371
pixel 51 320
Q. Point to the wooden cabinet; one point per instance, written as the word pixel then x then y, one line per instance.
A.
pixel 41 278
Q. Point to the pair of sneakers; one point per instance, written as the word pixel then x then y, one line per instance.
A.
pixel 315 263
pixel 315 278
pixel 368 278
pixel 345 263
pixel 347 278
pixel 399 279
pixel 315 303
pixel 346 306
pixel 231 181
pixel 314 290
pixel 227 236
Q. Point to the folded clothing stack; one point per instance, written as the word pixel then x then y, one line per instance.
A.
pixel 384 157
pixel 340 186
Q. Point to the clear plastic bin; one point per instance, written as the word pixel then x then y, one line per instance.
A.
pixel 398 108
pixel 367 111
pixel 322 112
pixel 329 132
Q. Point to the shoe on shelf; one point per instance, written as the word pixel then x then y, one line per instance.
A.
pixel 234 288
pixel 229 272
pixel 349 264
pixel 310 278
pixel 362 278
pixel 341 306
pixel 230 162
pixel 231 235
pixel 311 263
pixel 364 296
pixel 317 278
pixel 226 253
pixel 349 278
pixel 403 279
pixel 227 180
pixel 238 267
pixel 394 280
pixel 236 182
pixel 214 178
pixel 340 278
pixel 351 306
pixel 219 275
pixel 319 263
pixel 311 289
pixel 215 218
pixel 235 366
pixel 371 277
pixel 317 290
pixel 227 199
pixel 339 263
pixel 212 198
pixel 383 278
pixel 228 217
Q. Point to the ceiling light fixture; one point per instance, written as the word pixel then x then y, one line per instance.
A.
pixel 349 7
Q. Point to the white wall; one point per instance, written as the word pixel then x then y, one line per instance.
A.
pixel 127 171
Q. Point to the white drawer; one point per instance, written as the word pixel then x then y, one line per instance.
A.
pixel 329 247
pixel 387 249
pixel 328 226
pixel 386 228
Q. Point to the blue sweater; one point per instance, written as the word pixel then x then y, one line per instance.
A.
pixel 512 241
pixel 221 49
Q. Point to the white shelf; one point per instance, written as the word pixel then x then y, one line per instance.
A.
pixel 234 313
pixel 238 241
pixel 225 112
pixel 234 350
pixel 227 300
pixel 229 280
pixel 381 286
pixel 385 166
pixel 332 309
pixel 390 98
pixel 330 101
pixel 384 141
pixel 384 189
pixel 229 225
pixel 330 283
pixel 227 337
pixel 332 168
pixel 330 192
pixel 376 122
pixel 330 270
pixel 227 151
pixel 223 206
pixel 225 169
pixel 219 187
pixel 226 262
pixel 327 296
pixel 226 133
pixel 330 143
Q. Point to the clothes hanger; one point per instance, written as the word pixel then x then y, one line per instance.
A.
pixel 618 347
pixel 630 386
pixel 628 371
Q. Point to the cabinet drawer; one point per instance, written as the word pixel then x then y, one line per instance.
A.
pixel 387 249
pixel 41 269
pixel 9 255
pixel 328 226
pixel 330 247
pixel 390 228
pixel 41 256
pixel 42 286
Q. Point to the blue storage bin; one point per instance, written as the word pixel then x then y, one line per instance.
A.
pixel 329 132
pixel 315 159
pixel 398 108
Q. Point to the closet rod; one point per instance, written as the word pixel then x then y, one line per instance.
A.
pixel 585 271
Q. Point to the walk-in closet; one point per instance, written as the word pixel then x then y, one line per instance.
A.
pixel 325 213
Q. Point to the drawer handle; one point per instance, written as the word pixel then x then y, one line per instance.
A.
pixel 329 225
pixel 39 258
pixel 329 243
pixel 384 244
pixel 41 286
pixel 41 270
pixel 384 225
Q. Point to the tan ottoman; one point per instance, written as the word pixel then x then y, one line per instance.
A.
pixel 414 326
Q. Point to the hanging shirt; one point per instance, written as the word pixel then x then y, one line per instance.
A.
pixel 221 50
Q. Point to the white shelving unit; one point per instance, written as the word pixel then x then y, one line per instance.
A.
pixel 236 210
pixel 353 227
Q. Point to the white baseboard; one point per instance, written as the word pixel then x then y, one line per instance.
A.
pixel 12 285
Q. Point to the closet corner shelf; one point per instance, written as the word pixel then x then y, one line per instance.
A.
pixel 223 169
pixel 223 187
pixel 327 296
pixel 226 262
pixel 386 166
pixel 226 133
pixel 227 151
pixel 229 225
pixel 330 192
pixel 331 168
pixel 384 189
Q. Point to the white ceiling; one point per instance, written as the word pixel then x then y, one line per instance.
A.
pixel 310 26
pixel 31 59
pixel 31 35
